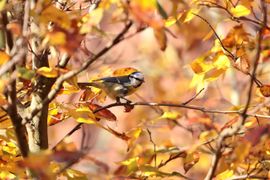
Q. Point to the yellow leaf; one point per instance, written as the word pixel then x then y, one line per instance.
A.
pixel 200 66
pixel 224 175
pixel 53 14
pixel 133 134
pixel 170 115
pixel 91 19
pixel 84 120
pixel 207 135
pixel 3 57
pixel 48 72
pixel 172 20
pixel 239 11
pixel 57 38
pixel 2 6
pixel 75 174
pixel 7 175
pixel 198 82
pixel 222 62
pixel 189 15
pixel 146 4
pixel 129 161
pixel 68 89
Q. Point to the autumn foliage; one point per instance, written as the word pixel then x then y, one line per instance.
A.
pixel 202 111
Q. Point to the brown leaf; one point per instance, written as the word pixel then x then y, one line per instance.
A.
pixel 66 156
pixel 242 64
pixel 103 114
pixel 265 90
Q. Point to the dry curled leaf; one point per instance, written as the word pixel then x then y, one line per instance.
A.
pixel 265 90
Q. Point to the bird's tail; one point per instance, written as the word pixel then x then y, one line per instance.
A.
pixel 85 85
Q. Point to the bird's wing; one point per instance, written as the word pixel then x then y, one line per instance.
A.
pixel 117 80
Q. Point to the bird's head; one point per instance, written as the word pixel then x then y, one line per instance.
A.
pixel 136 79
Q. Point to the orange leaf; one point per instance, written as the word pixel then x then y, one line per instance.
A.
pixel 55 119
pixel 124 71
pixel 161 38
pixel 15 28
pixel 4 57
pixel 117 134
pixel 265 90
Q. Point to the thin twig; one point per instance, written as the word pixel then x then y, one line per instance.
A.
pixel 220 41
pixel 194 97
pixel 155 146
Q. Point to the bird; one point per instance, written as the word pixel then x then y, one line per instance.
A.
pixel 117 87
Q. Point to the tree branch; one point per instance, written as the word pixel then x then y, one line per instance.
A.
pixel 58 84
pixel 231 131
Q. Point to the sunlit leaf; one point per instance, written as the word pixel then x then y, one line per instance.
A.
pixel 133 134
pixel 57 38
pixel 2 4
pixel 236 36
pixel 75 174
pixel 53 14
pixel 208 135
pixel 173 115
pixel 7 175
pixel 90 20
pixel 187 16
pixel 239 11
pixel 87 121
pixel 48 72
pixel 4 57
pixel 172 20
pixel 124 71
pixel 224 175
pixel 129 161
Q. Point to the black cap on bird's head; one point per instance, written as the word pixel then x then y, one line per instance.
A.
pixel 136 78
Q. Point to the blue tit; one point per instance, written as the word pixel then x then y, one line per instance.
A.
pixel 117 87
